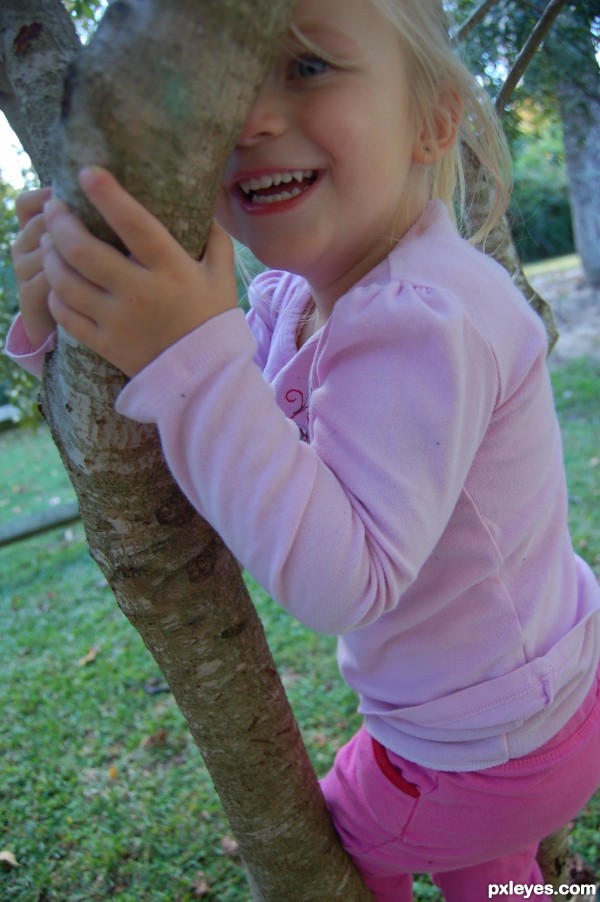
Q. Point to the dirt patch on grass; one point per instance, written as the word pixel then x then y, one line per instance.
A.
pixel 576 308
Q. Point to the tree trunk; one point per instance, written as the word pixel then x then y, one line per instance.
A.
pixel 159 97
pixel 579 102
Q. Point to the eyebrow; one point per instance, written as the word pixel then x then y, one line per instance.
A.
pixel 316 31
pixel 331 38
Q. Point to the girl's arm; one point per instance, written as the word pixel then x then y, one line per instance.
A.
pixel 336 530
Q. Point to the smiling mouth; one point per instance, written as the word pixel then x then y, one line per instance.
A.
pixel 277 187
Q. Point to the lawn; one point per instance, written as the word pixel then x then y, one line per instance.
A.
pixel 102 792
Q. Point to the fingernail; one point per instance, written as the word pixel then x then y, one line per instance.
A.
pixel 54 206
pixel 88 175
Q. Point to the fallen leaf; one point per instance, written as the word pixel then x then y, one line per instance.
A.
pixel 200 886
pixel 230 846
pixel 112 772
pixel 8 860
pixel 90 657
pixel 158 738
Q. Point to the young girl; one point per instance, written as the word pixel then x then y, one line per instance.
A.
pixel 376 442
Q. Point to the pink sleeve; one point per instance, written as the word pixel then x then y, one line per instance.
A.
pixel 338 529
pixel 19 348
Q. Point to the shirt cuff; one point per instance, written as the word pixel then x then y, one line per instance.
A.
pixel 193 358
pixel 19 348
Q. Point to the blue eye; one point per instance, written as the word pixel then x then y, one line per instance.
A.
pixel 309 66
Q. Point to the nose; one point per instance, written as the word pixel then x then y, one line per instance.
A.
pixel 266 118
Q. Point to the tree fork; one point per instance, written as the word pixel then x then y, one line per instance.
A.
pixel 158 97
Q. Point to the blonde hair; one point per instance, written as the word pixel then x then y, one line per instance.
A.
pixel 435 68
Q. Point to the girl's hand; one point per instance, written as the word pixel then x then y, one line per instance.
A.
pixel 130 309
pixel 28 264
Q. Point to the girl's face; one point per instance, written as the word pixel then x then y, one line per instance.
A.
pixel 324 172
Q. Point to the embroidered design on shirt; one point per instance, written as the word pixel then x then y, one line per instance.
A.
pixel 296 397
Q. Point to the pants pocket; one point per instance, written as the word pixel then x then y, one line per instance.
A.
pixel 393 774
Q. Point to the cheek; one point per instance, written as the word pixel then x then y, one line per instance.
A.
pixel 331 128
pixel 351 137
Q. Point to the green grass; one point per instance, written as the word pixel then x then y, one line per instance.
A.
pixel 577 398
pixel 554 264
pixel 102 792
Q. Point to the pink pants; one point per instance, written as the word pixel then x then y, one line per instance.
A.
pixel 469 830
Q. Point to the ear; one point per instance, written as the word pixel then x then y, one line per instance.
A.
pixel 438 134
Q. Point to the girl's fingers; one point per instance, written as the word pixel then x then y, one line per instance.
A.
pixel 37 320
pixel 141 233
pixel 219 261
pixel 70 289
pixel 27 266
pixel 30 204
pixel 73 321
pixel 28 239
pixel 92 258
pixel 219 248
pixel 26 251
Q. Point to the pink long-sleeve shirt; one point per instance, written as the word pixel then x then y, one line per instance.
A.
pixel 397 481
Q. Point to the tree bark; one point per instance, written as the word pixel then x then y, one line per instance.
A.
pixel 37 42
pixel 159 97
pixel 579 103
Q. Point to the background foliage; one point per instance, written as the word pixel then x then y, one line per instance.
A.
pixel 16 386
pixel 540 213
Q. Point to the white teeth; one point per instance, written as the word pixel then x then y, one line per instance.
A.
pixel 275 198
pixel 272 181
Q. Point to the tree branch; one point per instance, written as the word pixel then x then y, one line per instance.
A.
pixel 527 53
pixel 37 43
pixel 464 30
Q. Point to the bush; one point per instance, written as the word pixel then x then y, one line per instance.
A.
pixel 16 386
pixel 540 214
pixel 540 218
